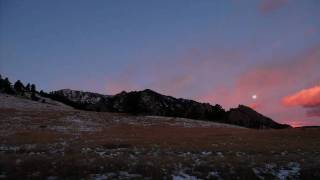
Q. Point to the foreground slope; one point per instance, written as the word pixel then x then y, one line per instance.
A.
pixel 54 142
pixel 148 102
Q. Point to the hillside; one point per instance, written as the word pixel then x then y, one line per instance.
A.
pixel 25 104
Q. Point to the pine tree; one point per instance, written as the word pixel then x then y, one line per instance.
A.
pixel 43 94
pixel 1 83
pixel 33 88
pixel 33 92
pixel 19 87
pixel 7 86
pixel 28 87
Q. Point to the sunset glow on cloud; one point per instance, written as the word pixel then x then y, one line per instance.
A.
pixel 307 98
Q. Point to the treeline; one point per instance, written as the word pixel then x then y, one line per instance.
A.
pixel 29 91
pixel 18 88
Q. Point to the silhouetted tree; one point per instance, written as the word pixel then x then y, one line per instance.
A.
pixel 7 86
pixel 19 87
pixel 33 88
pixel 28 87
pixel 218 113
pixel 1 83
pixel 33 92
pixel 44 94
pixel 33 96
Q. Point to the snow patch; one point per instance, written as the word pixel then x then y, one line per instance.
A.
pixel 183 176
pixel 290 171
pixel 118 175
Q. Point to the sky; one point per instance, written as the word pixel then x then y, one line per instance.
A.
pixel 261 53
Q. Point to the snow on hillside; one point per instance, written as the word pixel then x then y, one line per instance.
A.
pixel 81 96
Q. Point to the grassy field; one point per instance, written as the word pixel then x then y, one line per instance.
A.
pixel 70 144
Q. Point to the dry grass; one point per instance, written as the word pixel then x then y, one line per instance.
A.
pixel 76 144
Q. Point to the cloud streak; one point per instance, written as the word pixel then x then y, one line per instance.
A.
pixel 307 98
pixel 268 6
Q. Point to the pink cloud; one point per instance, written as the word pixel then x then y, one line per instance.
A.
pixel 267 6
pixel 307 97
pixel 278 76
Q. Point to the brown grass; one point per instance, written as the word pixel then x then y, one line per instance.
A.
pixel 155 151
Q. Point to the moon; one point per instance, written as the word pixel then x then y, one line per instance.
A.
pixel 254 97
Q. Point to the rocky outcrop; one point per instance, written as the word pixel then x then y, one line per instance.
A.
pixel 80 96
pixel 83 100
pixel 247 117
pixel 152 103
pixel 148 102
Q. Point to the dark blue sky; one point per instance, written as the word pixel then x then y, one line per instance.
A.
pixel 215 51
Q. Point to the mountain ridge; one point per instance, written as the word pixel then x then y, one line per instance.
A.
pixel 149 102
